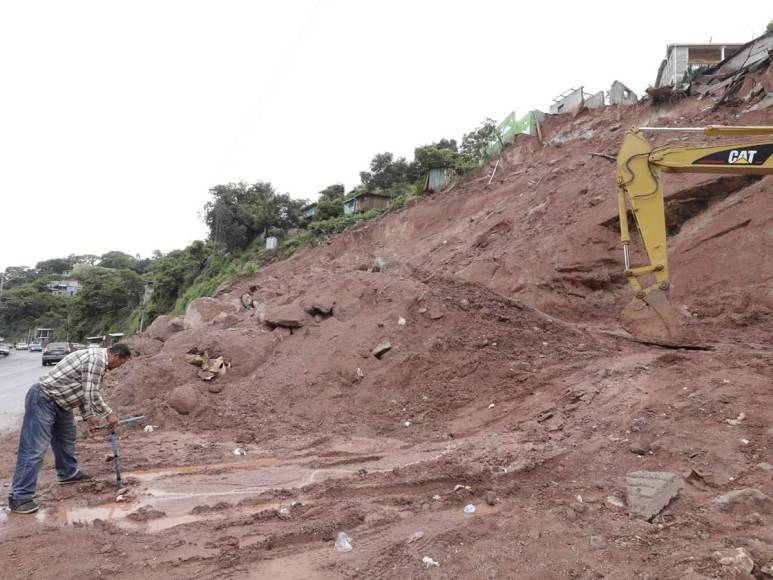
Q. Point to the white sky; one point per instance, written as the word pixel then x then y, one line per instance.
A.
pixel 117 117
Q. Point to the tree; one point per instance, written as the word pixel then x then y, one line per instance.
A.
pixel 475 143
pixel 172 273
pixel 116 260
pixel 330 203
pixel 105 295
pixel 387 173
pixel 23 305
pixel 333 191
pixel 18 275
pixel 89 259
pixel 54 266
pixel 240 212
pixel 449 144
pixel 431 156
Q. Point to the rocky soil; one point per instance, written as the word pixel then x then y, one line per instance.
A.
pixel 461 351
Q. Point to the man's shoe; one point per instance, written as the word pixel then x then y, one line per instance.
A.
pixel 23 506
pixel 79 477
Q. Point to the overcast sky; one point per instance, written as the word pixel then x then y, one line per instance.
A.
pixel 117 117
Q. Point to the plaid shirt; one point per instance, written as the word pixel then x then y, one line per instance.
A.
pixel 74 382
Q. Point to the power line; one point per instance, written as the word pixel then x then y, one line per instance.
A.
pixel 288 54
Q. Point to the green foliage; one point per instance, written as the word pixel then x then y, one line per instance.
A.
pixel 430 156
pixel 386 173
pixel 329 207
pixel 332 191
pixel 214 275
pixel 106 294
pixel 275 232
pixel 204 287
pixel 54 266
pixel 172 273
pixel 121 261
pixel 475 143
pixel 323 229
pixel 330 203
pixel 240 212
pixel 107 297
pixel 18 275
pixel 25 305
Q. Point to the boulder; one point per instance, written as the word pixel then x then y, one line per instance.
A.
pixel 202 311
pixel 143 345
pixel 165 326
pixel 322 304
pixel 226 320
pixel 285 316
pixel 184 399
pixel 650 491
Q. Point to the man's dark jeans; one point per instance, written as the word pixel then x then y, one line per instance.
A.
pixel 45 423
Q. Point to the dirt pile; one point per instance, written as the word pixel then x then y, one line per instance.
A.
pixel 450 344
pixel 462 351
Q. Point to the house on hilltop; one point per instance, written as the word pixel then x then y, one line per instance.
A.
pixel 64 287
pixel 682 59
pixel 364 201
pixel 309 211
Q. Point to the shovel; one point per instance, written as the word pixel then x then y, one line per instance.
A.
pixel 116 463
pixel 116 457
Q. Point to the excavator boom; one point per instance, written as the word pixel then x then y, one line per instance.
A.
pixel 650 317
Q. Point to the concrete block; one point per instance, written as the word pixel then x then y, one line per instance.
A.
pixel 650 491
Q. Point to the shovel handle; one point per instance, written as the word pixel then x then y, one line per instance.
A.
pixel 116 458
pixel 126 421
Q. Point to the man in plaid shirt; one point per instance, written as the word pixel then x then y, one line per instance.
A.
pixel 48 419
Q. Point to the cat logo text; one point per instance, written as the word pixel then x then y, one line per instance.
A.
pixel 742 157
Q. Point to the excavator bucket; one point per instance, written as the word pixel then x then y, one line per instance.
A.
pixel 653 320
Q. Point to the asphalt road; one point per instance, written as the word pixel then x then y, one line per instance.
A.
pixel 18 371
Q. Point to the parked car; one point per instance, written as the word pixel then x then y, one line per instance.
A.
pixel 21 346
pixel 35 347
pixel 5 350
pixel 56 351
pixel 78 346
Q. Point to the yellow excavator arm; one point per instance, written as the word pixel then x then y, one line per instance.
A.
pixel 650 317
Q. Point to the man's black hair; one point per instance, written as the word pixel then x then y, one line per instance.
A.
pixel 120 350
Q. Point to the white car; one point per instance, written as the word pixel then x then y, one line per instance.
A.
pixel 21 346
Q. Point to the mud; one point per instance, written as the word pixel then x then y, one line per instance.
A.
pixel 509 385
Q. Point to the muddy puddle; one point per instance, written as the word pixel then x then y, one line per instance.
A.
pixel 163 498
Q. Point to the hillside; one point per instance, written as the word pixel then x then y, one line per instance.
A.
pixel 508 384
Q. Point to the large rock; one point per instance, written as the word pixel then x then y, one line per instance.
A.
pixel 738 559
pixel 165 326
pixel 184 399
pixel 650 491
pixel 144 346
pixel 285 316
pixel 202 311
pixel 322 304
